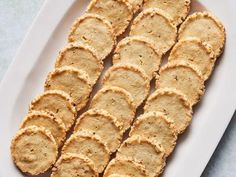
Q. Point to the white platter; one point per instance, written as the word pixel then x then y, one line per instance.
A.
pixel 35 58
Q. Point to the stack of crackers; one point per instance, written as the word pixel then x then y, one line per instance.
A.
pixel 107 139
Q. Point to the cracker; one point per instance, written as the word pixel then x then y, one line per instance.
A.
pixel 49 122
pixel 136 4
pixel 72 81
pixel 58 102
pixel 156 127
pixel 74 165
pixel 101 123
pixel 156 25
pixel 145 152
pixel 173 104
pixel 81 57
pixel 195 52
pixel 34 150
pixel 207 28
pixel 90 145
pixel 94 31
pixel 117 102
pixel 125 167
pixel 177 10
pixel 117 12
pixel 118 175
pixel 139 51
pixel 131 78
pixel 183 77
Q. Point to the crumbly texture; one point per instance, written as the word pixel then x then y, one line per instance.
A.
pixel 49 122
pixel 58 102
pixel 81 57
pixel 136 4
pixel 195 52
pixel 139 51
pixel 72 81
pixel 90 145
pixel 145 152
pixel 156 25
pixel 34 150
pixel 95 31
pixel 118 12
pixel 74 165
pixel 214 31
pixel 125 167
pixel 183 77
pixel 156 127
pixel 173 104
pixel 112 99
pixel 177 10
pixel 101 123
pixel 131 78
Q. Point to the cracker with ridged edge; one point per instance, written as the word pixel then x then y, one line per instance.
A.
pixel 131 78
pixel 94 31
pixel 177 10
pixel 103 124
pixel 58 102
pixel 173 104
pixel 207 28
pixel 156 25
pixel 74 165
pixel 117 12
pixel 81 57
pixel 156 127
pixel 183 77
pixel 136 4
pixel 72 81
pixel 49 121
pixel 145 152
pixel 139 51
pixel 125 167
pixel 34 150
pixel 86 143
pixel 195 52
pixel 112 99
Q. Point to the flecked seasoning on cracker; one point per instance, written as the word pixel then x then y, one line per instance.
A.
pixel 207 28
pixel 156 25
pixel 34 150
pixel 58 102
pixel 136 4
pixel 94 31
pixel 72 81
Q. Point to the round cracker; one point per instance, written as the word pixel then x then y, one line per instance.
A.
pixel 139 51
pixel 177 10
pixel 112 99
pixel 74 165
pixel 195 52
pixel 49 122
pixel 214 31
pixel 156 127
pixel 58 102
pixel 72 81
pixel 34 150
pixel 125 167
pixel 145 152
pixel 117 12
pixel 131 78
pixel 81 57
pixel 183 77
pixel 136 4
pixel 156 25
pixel 90 145
pixel 94 31
pixel 101 123
pixel 173 104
